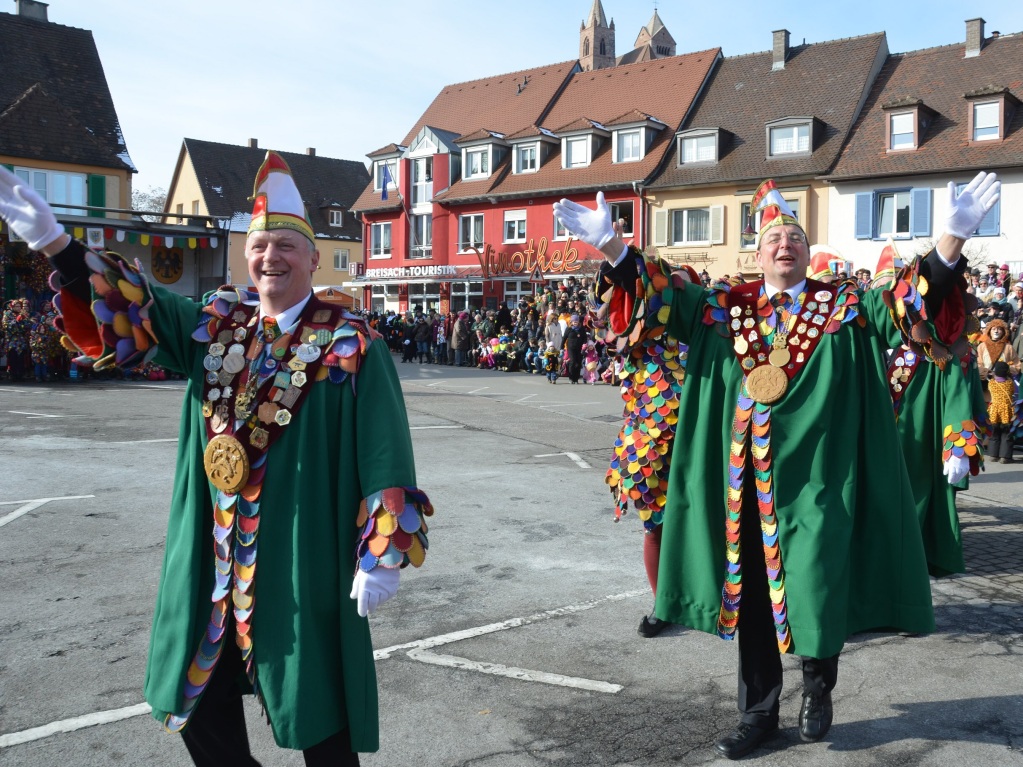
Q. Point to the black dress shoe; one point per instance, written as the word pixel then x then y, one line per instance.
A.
pixel 815 717
pixel 651 626
pixel 745 739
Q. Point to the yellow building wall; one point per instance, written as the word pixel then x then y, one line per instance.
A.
pixel 729 257
pixel 118 184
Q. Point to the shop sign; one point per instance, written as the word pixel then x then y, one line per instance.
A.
pixel 413 271
pixel 496 264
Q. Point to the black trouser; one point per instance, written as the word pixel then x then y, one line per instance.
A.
pixel 999 444
pixel 215 735
pixel 760 673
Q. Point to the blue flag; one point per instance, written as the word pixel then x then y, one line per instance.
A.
pixel 385 181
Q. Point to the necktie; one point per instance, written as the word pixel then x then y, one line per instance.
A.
pixel 271 330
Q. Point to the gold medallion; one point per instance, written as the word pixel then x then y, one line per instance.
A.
pixel 767 384
pixel 227 465
pixel 741 345
pixel 780 357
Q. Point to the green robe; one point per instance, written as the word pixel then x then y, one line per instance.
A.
pixel 851 548
pixel 313 655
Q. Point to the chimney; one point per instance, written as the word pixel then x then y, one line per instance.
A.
pixel 780 50
pixel 32 9
pixel 253 143
pixel 974 37
pixel 311 151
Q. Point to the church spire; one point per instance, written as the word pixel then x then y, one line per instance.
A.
pixel 597 17
pixel 596 40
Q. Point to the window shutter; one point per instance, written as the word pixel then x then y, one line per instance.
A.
pixel 97 195
pixel 920 212
pixel 864 215
pixel 9 167
pixel 660 227
pixel 717 224
pixel 990 226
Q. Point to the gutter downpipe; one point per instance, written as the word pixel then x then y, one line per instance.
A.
pixel 638 191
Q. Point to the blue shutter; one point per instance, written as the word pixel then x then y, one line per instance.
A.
pixel 990 226
pixel 920 212
pixel 864 215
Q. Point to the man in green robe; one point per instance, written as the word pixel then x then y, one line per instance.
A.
pixel 791 452
pixel 293 450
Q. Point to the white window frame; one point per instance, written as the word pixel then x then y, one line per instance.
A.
pixel 624 150
pixel 337 218
pixel 378 174
pixel 994 106
pixel 673 233
pixel 521 156
pixel 902 117
pixel 696 140
pixel 615 206
pixel 895 196
pixel 377 235
pixel 582 144
pixel 795 129
pixel 471 218
pixel 421 242
pixel 483 167
pixel 515 226
pixel 560 231
pixel 422 180
pixel 57 187
pixel 341 259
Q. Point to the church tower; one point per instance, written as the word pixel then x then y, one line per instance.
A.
pixel 596 40
pixel 656 36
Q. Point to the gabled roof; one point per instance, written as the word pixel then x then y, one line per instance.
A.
pixel 827 80
pixel 55 105
pixel 226 173
pixel 665 87
pixel 504 103
pixel 940 78
pixel 383 151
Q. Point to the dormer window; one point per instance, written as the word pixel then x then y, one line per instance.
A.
pixel 630 146
pixel 525 158
pixel 577 152
pixel 385 170
pixel 789 137
pixel 906 122
pixel 337 217
pixel 902 130
pixel 476 163
pixel 698 146
pixel 990 111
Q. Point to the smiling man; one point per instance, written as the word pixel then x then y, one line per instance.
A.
pixel 789 521
pixel 280 460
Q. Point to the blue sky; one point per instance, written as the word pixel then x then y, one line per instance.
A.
pixel 349 77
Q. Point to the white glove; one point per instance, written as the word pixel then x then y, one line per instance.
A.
pixel 372 589
pixel 594 227
pixel 966 211
pixel 26 212
pixel 955 468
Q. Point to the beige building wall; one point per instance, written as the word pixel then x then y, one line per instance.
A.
pixel 118 185
pixel 726 252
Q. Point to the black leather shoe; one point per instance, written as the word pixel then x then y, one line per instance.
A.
pixel 815 717
pixel 651 626
pixel 745 739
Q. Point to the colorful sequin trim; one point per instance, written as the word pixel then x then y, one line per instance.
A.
pixel 751 430
pixel 121 334
pixel 393 523
pixel 963 441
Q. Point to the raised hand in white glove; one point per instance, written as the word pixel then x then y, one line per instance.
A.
pixel 955 468
pixel 594 227
pixel 26 212
pixel 967 209
pixel 372 589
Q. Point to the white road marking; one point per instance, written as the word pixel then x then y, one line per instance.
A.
pixel 34 415
pixel 525 674
pixel 144 441
pixel 117 714
pixel 483 388
pixel 452 426
pixel 523 399
pixel 33 505
pixel 574 457
pixel 76 723
pixel 36 391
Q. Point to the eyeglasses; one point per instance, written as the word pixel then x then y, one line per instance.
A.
pixel 775 237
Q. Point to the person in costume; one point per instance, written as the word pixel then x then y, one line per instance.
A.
pixel 1002 413
pixel 936 391
pixel 286 400
pixel 994 346
pixel 789 518
pixel 573 340
pixel 552 362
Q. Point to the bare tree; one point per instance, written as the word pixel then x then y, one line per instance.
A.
pixel 150 201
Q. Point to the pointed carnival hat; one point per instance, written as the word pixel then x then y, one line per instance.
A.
pixel 887 265
pixel 773 209
pixel 277 203
pixel 826 262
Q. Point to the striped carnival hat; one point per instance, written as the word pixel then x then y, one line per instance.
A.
pixel 773 209
pixel 277 203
